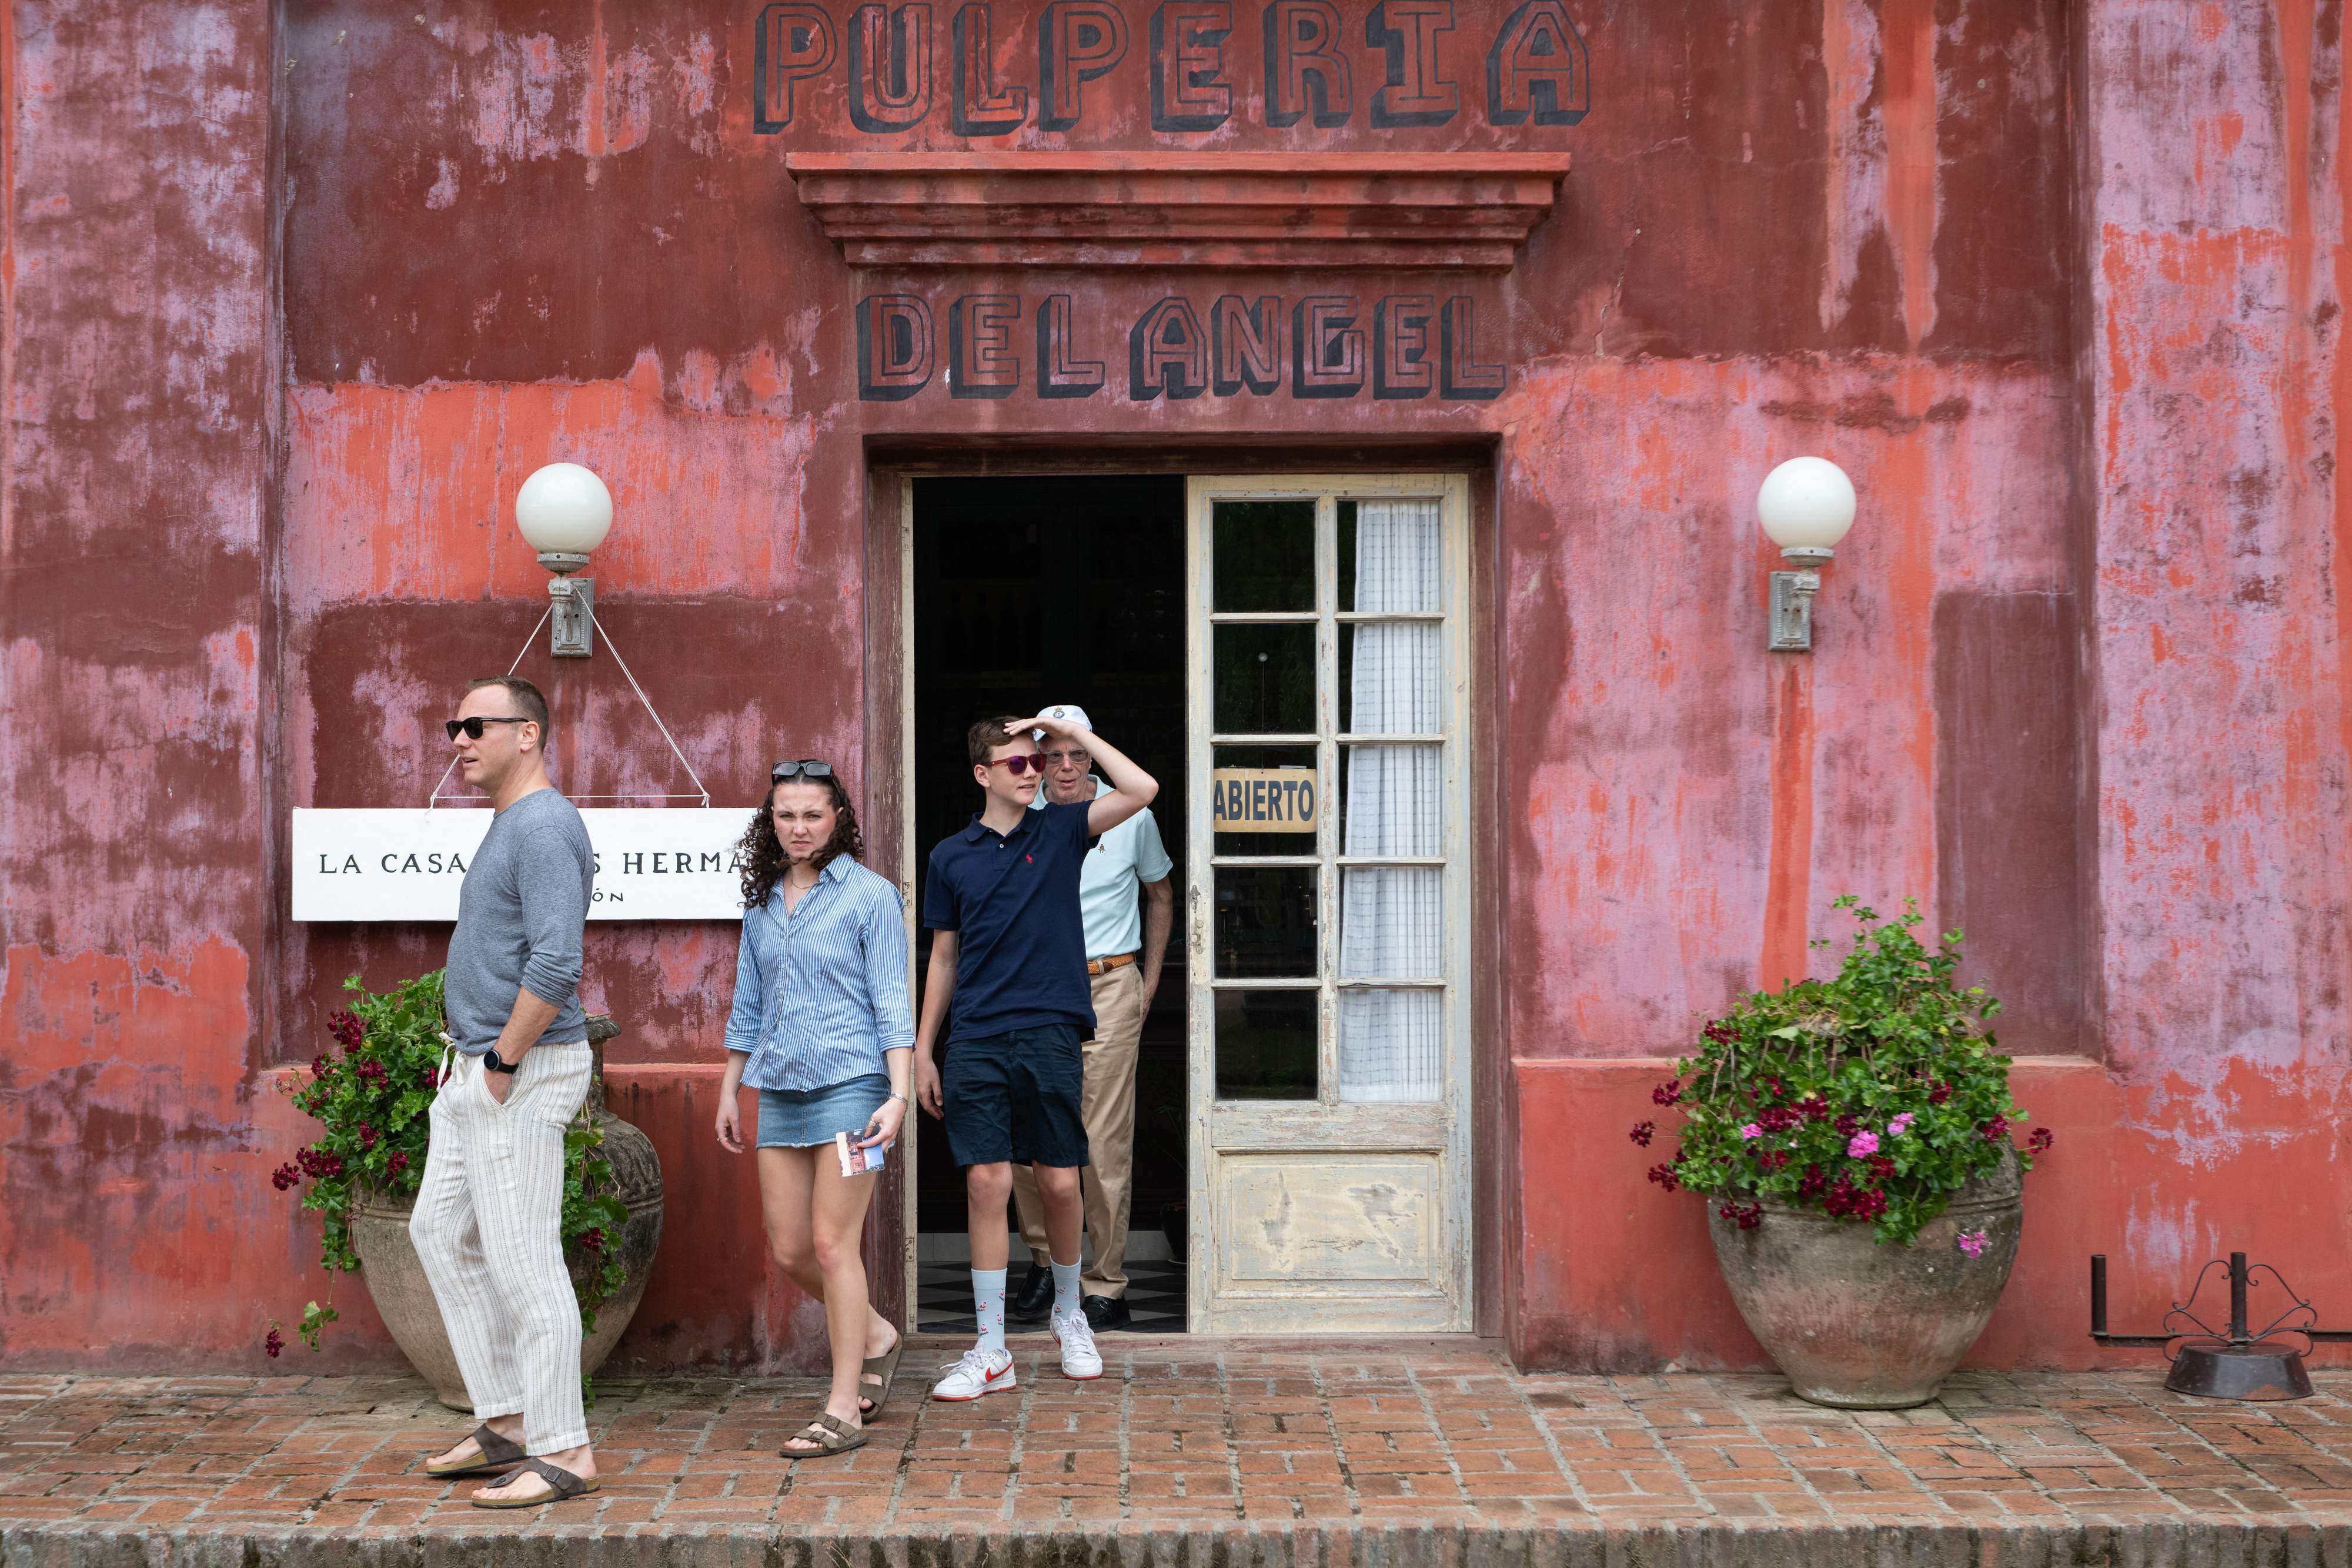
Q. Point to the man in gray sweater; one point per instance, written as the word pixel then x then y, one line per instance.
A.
pixel 489 1219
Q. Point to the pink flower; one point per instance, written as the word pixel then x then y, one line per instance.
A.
pixel 1972 1242
pixel 1900 1126
pixel 1751 1131
pixel 1862 1145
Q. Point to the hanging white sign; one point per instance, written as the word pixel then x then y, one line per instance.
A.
pixel 407 863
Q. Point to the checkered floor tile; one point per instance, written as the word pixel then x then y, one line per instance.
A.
pixel 1155 1295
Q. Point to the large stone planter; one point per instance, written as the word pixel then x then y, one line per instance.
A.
pixel 1863 1327
pixel 403 1298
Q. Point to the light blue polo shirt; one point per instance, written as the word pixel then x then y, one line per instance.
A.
pixel 1109 900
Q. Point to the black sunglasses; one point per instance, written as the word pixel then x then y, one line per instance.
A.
pixel 473 727
pixel 807 768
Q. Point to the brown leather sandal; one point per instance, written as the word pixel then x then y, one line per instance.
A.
pixel 497 1454
pixel 831 1434
pixel 884 1366
pixel 562 1486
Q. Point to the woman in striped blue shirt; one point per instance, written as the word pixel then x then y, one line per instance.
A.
pixel 823 1028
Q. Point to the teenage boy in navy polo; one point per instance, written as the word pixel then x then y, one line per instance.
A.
pixel 1009 951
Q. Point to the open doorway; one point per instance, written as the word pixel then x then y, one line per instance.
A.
pixel 1029 592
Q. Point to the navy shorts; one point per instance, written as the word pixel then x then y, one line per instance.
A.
pixel 1016 1096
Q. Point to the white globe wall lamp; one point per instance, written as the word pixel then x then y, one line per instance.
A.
pixel 565 512
pixel 1806 505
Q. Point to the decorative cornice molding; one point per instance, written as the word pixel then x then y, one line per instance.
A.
pixel 1450 211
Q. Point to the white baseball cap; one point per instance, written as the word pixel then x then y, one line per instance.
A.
pixel 1070 711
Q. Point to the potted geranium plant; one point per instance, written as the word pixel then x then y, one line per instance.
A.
pixel 1853 1139
pixel 372 1099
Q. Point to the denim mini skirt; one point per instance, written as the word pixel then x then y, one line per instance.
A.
pixel 798 1118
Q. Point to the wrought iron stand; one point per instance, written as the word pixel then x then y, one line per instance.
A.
pixel 2232 1365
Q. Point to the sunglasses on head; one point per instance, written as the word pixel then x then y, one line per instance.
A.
pixel 806 767
pixel 1017 765
pixel 472 727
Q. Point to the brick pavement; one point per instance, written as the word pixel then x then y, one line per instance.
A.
pixel 1443 1459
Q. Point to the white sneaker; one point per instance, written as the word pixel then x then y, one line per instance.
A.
pixel 1080 1360
pixel 981 1371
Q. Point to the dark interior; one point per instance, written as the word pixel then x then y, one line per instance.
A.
pixel 1035 591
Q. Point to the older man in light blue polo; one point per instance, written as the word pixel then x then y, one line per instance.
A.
pixel 1129 907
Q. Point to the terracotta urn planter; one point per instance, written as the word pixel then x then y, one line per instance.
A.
pixel 1866 1326
pixel 403 1298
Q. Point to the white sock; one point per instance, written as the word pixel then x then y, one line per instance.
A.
pixel 1065 1288
pixel 988 1305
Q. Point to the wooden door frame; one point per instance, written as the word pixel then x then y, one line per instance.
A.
pixel 891 469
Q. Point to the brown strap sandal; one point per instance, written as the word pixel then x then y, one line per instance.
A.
pixel 497 1454
pixel 562 1486
pixel 886 1367
pixel 831 1434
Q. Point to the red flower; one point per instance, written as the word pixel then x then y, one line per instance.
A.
pixel 1772 1159
pixel 319 1065
pixel 274 1343
pixel 367 1137
pixel 1847 1126
pixel 398 1162
pixel 2040 1141
pixel 1996 1130
pixel 1810 1184
pixel 1882 1166
pixel 348 1030
pixel 1939 1093
pixel 593 1239
pixel 1747 1216
pixel 1813 1108
pixel 1665 1178
pixel 1642 1133
pixel 1670 1093
pixel 285 1177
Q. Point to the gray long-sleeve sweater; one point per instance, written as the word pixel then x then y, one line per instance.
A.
pixel 520 914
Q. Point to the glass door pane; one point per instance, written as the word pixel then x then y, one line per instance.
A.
pixel 1264 555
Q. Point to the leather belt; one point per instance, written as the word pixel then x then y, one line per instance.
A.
pixel 1105 966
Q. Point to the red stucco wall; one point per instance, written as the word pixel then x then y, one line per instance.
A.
pixel 293 306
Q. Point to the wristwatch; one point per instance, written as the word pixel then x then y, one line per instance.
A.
pixel 491 1062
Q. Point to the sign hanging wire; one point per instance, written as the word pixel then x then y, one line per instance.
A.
pixel 701 792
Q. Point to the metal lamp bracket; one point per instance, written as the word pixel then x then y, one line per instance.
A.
pixel 572 623
pixel 1793 597
pixel 1792 610
pixel 572 605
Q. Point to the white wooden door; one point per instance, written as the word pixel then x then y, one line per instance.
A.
pixel 1329 1064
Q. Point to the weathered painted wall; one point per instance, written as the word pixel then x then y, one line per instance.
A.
pixel 2053 282
pixel 138 379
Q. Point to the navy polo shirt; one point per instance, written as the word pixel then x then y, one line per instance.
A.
pixel 1012 899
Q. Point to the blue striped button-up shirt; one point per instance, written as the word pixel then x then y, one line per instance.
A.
pixel 821 993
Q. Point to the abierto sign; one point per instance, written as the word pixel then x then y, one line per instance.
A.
pixel 408 863
pixel 1262 799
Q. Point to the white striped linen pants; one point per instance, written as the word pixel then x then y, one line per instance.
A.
pixel 489 1229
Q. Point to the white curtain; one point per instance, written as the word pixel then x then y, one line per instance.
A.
pixel 1393 1042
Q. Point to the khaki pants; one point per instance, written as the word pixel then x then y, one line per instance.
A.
pixel 1108 1110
